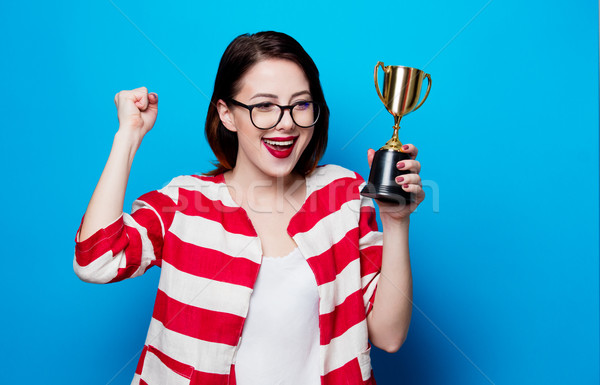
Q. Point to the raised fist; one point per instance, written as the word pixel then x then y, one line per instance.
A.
pixel 136 110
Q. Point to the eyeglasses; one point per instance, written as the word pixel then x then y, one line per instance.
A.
pixel 267 115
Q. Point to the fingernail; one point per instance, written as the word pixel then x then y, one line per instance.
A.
pixel 405 186
pixel 399 179
pixel 405 147
pixel 400 164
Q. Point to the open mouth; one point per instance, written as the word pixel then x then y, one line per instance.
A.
pixel 280 147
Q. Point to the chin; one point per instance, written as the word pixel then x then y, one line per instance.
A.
pixel 279 168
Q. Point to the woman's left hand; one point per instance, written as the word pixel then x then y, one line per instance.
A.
pixel 409 182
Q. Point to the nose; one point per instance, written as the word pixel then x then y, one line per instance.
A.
pixel 286 121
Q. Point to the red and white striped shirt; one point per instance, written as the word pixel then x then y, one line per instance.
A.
pixel 210 255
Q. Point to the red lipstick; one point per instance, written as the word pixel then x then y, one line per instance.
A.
pixel 280 147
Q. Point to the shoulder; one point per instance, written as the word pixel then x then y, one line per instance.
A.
pixel 329 173
pixel 333 183
pixel 345 183
pixel 187 185
pixel 193 181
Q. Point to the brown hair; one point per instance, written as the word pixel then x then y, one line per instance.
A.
pixel 241 54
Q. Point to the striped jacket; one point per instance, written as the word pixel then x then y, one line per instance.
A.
pixel 210 255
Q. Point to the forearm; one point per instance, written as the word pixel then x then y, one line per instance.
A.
pixel 106 203
pixel 389 320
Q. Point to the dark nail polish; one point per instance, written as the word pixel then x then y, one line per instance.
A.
pixel 405 147
pixel 399 179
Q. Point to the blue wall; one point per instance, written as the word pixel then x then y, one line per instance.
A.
pixel 504 248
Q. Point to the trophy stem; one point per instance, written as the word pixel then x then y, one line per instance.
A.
pixel 394 143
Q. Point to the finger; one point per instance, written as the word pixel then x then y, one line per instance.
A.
pixel 408 179
pixel 409 165
pixel 411 150
pixel 413 188
pixel 153 98
pixel 140 97
pixel 370 156
pixel 152 102
pixel 419 195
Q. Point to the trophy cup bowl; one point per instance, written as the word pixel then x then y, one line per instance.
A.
pixel 401 92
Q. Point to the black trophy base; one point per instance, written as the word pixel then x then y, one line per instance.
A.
pixel 382 179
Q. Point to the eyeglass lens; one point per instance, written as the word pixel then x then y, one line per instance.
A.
pixel 268 115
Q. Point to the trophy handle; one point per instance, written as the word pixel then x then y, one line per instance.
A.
pixel 426 93
pixel 379 64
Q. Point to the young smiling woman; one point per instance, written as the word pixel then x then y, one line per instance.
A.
pixel 268 156
pixel 273 270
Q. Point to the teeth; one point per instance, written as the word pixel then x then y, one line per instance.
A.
pixel 278 143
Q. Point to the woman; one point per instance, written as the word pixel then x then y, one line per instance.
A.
pixel 272 269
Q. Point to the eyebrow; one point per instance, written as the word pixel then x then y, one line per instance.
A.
pixel 296 94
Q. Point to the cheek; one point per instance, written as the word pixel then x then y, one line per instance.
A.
pixel 309 135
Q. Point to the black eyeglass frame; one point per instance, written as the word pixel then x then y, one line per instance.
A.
pixel 282 108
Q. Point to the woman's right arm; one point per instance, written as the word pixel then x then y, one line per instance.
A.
pixel 136 110
pixel 111 245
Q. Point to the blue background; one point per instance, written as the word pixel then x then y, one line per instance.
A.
pixel 504 248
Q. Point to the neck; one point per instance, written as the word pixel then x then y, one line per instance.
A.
pixel 263 192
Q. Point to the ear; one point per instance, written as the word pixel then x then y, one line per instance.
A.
pixel 226 116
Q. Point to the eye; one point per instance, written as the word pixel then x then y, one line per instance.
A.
pixel 302 106
pixel 265 107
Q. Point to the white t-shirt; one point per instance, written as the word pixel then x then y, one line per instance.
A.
pixel 280 340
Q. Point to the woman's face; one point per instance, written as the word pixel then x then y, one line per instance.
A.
pixel 273 152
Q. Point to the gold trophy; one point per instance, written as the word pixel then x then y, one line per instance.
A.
pixel 401 91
